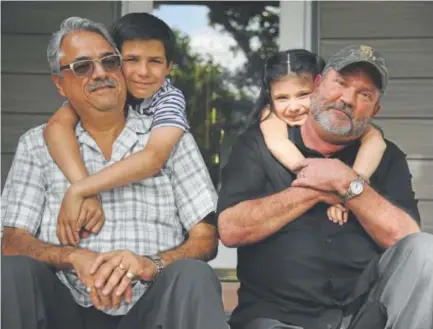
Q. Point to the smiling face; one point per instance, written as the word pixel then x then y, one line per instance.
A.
pixel 145 66
pixel 100 90
pixel 291 98
pixel 345 102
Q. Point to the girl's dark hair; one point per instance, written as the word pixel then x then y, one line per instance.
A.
pixel 298 61
pixel 144 26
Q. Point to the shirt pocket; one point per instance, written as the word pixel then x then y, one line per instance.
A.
pixel 57 183
pixel 152 200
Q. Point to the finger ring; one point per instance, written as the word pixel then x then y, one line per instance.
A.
pixel 130 275
pixel 122 267
pixel 89 289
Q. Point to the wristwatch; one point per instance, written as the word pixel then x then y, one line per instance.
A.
pixel 159 265
pixel 356 187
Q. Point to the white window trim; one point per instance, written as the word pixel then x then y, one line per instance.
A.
pixel 137 6
pixel 296 28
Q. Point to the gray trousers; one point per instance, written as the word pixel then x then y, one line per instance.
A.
pixel 187 295
pixel 402 297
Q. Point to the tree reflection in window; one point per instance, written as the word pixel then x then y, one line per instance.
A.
pixel 220 95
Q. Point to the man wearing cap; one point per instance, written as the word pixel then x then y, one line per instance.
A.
pixel 297 269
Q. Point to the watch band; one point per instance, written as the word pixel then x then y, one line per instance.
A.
pixel 159 265
pixel 350 194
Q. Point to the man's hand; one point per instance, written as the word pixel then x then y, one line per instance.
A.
pixel 324 175
pixel 77 213
pixel 82 261
pixel 119 268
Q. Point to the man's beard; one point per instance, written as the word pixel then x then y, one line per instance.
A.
pixel 320 112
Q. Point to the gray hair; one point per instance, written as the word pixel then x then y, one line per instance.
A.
pixel 69 25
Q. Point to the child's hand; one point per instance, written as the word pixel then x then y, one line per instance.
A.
pixel 76 214
pixel 91 217
pixel 68 217
pixel 338 214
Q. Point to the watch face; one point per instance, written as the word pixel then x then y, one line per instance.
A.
pixel 356 187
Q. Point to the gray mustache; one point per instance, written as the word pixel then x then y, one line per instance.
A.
pixel 101 83
pixel 346 109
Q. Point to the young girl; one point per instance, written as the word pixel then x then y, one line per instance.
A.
pixel 147 47
pixel 288 79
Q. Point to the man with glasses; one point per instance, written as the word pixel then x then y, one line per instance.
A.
pixel 106 281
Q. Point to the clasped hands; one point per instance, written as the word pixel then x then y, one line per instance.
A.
pixel 329 176
pixel 78 217
pixel 109 276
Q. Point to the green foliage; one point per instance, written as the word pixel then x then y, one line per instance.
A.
pixel 255 27
pixel 218 101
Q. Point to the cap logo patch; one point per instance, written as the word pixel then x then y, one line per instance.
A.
pixel 366 51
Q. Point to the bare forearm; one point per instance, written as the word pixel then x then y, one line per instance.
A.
pixel 202 244
pixel 285 151
pixel 17 241
pixel 370 153
pixel 136 167
pixel 383 221
pixel 196 248
pixel 64 149
pixel 254 220
pixel 132 169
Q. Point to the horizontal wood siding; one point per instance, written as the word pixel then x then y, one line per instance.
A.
pixel 376 19
pixel 13 100
pixel 405 58
pixel 44 17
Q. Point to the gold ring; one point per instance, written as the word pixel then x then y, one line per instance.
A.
pixel 89 289
pixel 130 275
pixel 122 267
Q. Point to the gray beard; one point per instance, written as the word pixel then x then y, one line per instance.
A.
pixel 354 128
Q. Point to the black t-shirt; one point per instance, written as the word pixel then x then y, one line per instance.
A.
pixel 309 270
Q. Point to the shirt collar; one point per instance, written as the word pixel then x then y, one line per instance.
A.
pixel 296 138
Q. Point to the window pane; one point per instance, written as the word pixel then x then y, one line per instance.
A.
pixel 221 50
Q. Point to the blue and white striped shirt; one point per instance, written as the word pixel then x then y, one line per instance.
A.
pixel 167 106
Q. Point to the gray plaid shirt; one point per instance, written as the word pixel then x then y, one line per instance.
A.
pixel 146 217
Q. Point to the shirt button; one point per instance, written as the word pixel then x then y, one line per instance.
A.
pixel 328 240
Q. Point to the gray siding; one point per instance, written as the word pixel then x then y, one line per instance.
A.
pixel 403 33
pixel 29 96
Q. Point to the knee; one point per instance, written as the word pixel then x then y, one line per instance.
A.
pixel 417 242
pixel 418 245
pixel 192 270
pixel 15 267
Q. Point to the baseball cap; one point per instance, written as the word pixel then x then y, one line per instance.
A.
pixel 359 54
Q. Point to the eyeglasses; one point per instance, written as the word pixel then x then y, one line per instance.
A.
pixel 86 67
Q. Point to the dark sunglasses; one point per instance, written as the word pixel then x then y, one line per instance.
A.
pixel 86 67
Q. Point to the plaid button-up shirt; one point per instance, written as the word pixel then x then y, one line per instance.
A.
pixel 146 217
